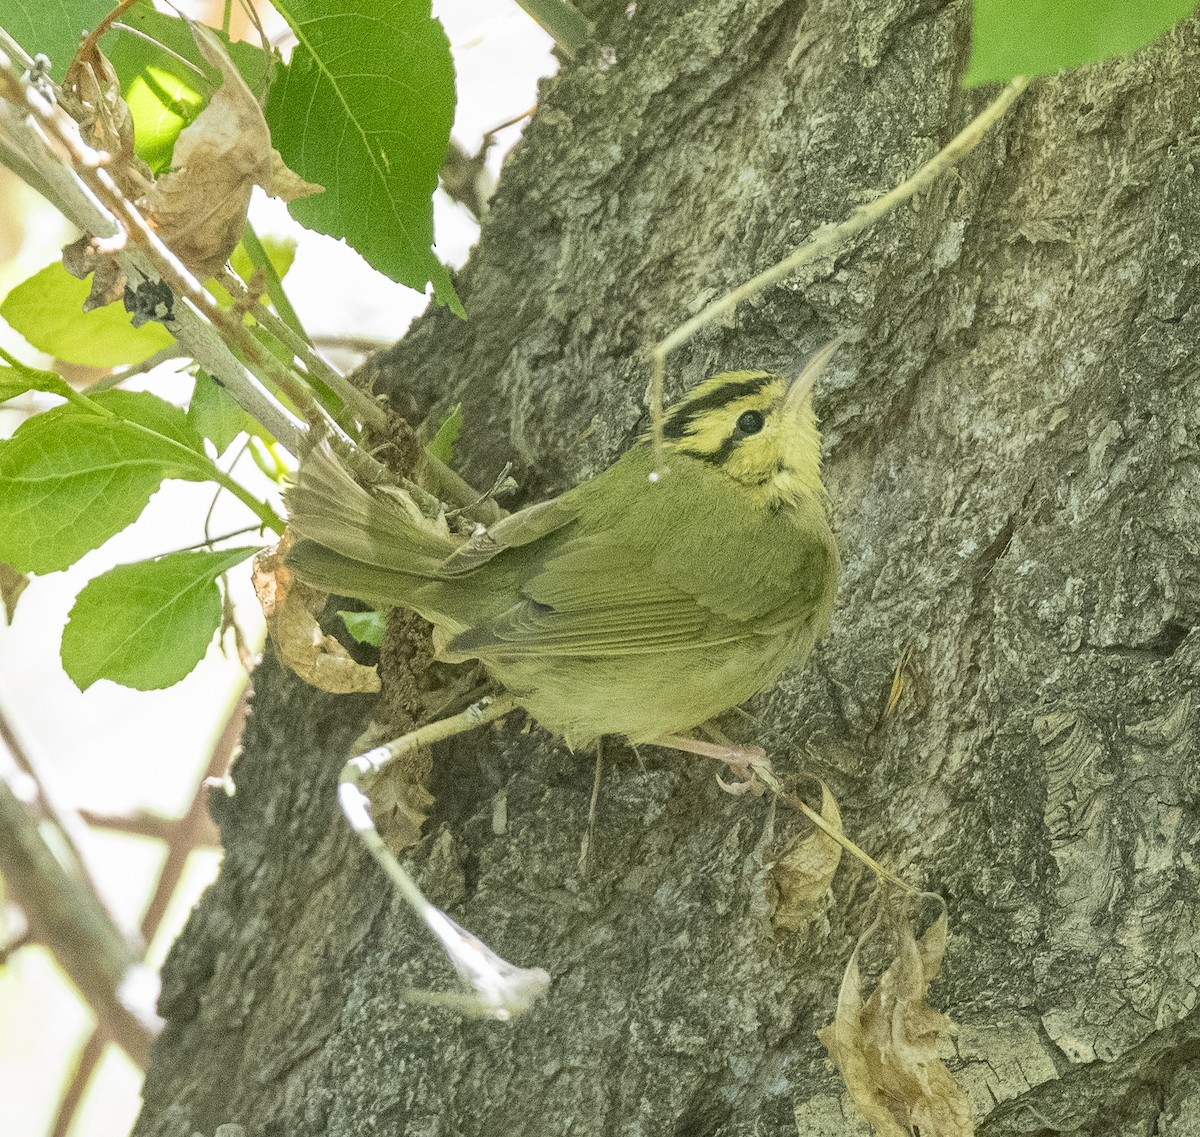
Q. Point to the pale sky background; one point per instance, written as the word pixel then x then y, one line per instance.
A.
pixel 114 750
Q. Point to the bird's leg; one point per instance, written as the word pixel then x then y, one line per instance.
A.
pixel 501 990
pixel 585 846
pixel 750 763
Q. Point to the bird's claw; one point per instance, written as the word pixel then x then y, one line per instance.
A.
pixel 745 762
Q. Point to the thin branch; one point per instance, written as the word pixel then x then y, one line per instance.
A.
pixel 116 378
pixel 362 345
pixel 139 824
pixel 65 915
pixel 196 827
pixel 42 136
pixel 828 239
pixel 70 824
pixel 318 368
pixel 272 282
pixel 85 1066
pixel 45 143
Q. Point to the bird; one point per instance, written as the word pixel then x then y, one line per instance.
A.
pixel 667 589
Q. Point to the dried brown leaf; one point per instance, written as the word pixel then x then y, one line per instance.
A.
pixel 286 184
pixel 290 609
pixel 199 207
pixel 886 1048
pixel 108 281
pixel 804 871
pixel 12 584
pixel 92 95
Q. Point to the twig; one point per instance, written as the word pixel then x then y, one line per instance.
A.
pixel 196 827
pixel 116 378
pixel 361 344
pixel 68 821
pixel 828 239
pixel 85 1066
pixel 45 143
pixel 363 406
pixel 86 194
pixel 65 915
pixel 589 835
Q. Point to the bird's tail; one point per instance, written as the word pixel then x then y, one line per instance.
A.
pixel 355 543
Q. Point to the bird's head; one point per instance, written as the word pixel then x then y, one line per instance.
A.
pixel 757 427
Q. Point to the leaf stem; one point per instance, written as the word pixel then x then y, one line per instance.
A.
pixel 321 376
pixel 260 259
pixel 51 383
pixel 260 509
pixel 208 542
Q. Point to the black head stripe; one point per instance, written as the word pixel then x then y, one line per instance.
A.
pixel 682 417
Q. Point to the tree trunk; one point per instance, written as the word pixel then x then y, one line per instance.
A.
pixel 1011 438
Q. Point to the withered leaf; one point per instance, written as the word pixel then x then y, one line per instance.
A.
pixel 286 184
pixel 12 584
pixel 108 281
pixel 290 608
pixel 199 207
pixel 92 95
pixel 804 870
pixel 886 1048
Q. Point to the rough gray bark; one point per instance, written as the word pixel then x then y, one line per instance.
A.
pixel 1013 461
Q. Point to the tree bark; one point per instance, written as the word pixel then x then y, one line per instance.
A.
pixel 1012 455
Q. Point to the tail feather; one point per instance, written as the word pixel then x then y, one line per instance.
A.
pixel 354 542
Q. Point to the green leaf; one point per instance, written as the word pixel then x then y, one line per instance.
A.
pixel 214 414
pixel 147 625
pixel 69 480
pixel 164 94
pixel 364 109
pixel 47 309
pixel 52 27
pixel 12 384
pixel 18 379
pixel 1036 37
pixel 443 442
pixel 365 627
pixel 154 414
pixel 281 252
pixel 161 105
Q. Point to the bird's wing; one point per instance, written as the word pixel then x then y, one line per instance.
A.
pixel 641 571
pixel 521 528
pixel 596 598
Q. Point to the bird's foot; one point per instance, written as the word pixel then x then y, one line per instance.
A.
pixel 750 764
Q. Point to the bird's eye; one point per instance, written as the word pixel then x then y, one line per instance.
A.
pixel 749 422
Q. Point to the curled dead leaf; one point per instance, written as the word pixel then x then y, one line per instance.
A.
pixel 804 870
pixel 12 584
pixel 290 609
pixel 886 1047
pixel 199 207
pixel 80 258
pixel 286 184
pixel 92 96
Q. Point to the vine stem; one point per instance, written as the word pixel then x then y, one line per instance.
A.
pixel 826 240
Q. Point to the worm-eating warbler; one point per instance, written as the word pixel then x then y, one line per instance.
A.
pixel 632 604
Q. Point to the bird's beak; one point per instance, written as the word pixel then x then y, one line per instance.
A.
pixel 801 389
